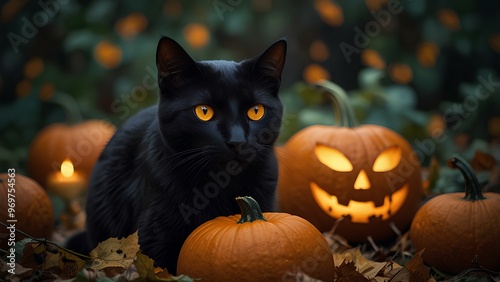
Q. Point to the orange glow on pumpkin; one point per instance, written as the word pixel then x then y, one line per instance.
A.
pixel 332 158
pixel 362 182
pixel 359 212
pixel 388 159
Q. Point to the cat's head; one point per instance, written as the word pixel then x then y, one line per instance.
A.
pixel 230 110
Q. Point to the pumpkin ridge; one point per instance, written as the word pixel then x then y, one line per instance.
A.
pixel 455 206
pixel 222 234
pixel 202 232
pixel 283 153
pixel 366 149
pixel 491 227
pixel 298 227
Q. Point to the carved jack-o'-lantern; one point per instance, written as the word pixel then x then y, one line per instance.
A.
pixel 366 174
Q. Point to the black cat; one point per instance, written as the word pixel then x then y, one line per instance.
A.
pixel 173 166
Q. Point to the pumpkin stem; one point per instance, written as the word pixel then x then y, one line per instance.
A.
pixel 472 187
pixel 250 210
pixel 341 105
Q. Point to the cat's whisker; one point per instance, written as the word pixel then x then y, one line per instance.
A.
pixel 204 166
pixel 193 154
pixel 195 150
pixel 188 155
pixel 202 158
pixel 197 166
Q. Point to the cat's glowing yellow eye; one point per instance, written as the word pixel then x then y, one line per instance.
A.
pixel 256 112
pixel 204 112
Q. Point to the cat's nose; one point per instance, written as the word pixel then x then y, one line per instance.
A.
pixel 236 146
pixel 237 138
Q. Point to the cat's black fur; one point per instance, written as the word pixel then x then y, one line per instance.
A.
pixel 165 171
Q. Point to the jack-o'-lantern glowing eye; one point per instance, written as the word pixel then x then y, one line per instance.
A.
pixel 204 112
pixel 332 158
pixel 388 159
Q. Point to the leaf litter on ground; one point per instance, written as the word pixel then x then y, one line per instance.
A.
pixel 121 260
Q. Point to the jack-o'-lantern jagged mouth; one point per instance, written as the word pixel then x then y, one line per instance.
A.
pixel 359 212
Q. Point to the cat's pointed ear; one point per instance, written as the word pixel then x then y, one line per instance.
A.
pixel 174 64
pixel 271 62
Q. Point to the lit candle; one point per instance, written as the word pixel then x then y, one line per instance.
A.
pixel 66 183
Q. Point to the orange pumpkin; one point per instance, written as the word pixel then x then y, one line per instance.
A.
pixel 459 232
pixel 30 204
pixel 368 175
pixel 81 144
pixel 253 246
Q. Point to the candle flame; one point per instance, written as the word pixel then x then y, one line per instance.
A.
pixel 67 168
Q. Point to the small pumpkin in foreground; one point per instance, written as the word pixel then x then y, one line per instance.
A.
pixel 81 143
pixel 33 209
pixel 255 246
pixel 459 232
pixel 367 174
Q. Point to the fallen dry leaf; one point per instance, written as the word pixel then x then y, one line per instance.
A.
pixel 414 271
pixel 32 255
pixel 419 272
pixel 55 261
pixel 21 272
pixel 347 272
pixel 391 268
pixel 63 264
pixel 115 252
pixel 147 271
pixel 336 242
pixel 369 269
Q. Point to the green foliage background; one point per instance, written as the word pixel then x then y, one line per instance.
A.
pixel 75 86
